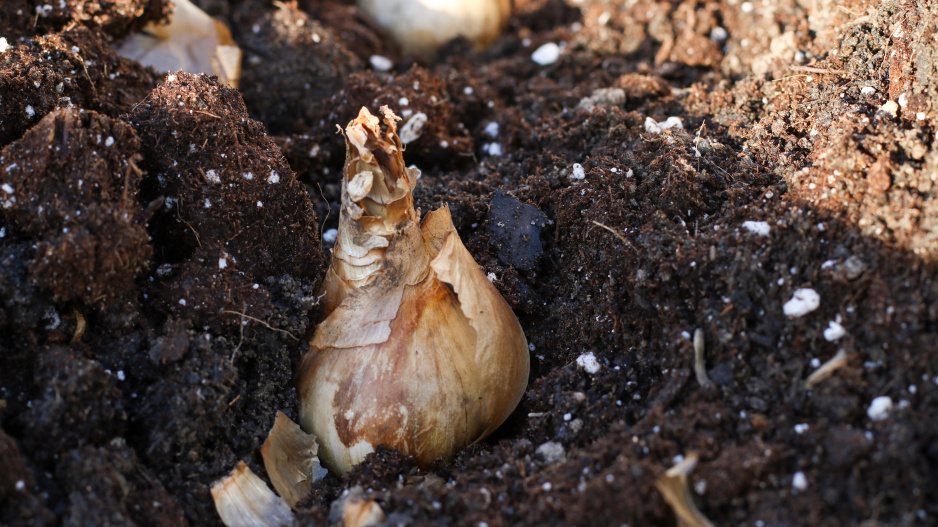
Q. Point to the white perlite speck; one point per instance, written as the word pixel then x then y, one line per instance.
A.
pixel 7 188
pixel 802 302
pixel 491 129
pixel 222 263
pixel 760 228
pixel 799 481
pixel 588 362
pixel 212 176
pixel 274 177
pixel 380 63
pixel 30 112
pixel 834 331
pixel 867 90
pixel 4 45
pixel 109 141
pixel 412 129
pixel 551 452
pixel 330 235
pixel 656 127
pixel 546 54
pixel 578 172
pixel 491 277
pixel 492 149
pixel 880 407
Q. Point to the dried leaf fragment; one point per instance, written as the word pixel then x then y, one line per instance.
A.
pixel 243 500
pixel 673 486
pixel 190 41
pixel 290 459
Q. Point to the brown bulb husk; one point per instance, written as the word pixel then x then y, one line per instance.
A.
pixel 417 351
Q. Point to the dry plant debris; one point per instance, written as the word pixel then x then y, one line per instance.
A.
pixel 244 500
pixel 700 366
pixel 828 368
pixel 673 486
pixel 290 460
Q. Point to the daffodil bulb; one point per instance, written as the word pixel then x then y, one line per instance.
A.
pixel 425 25
pixel 417 350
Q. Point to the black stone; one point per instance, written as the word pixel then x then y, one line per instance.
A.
pixel 515 229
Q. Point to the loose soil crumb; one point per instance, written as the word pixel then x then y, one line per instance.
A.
pixel 147 343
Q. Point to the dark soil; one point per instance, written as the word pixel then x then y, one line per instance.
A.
pixel 160 256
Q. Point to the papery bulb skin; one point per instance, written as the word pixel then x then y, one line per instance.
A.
pixel 417 350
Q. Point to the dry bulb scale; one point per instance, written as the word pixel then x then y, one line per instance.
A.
pixel 417 350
